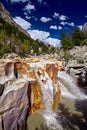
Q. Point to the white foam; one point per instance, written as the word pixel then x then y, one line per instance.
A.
pixel 47 91
pixel 69 87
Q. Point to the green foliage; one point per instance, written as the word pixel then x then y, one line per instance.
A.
pixel 75 38
pixel 67 42
pixel 4 49
pixel 13 40
pixel 78 36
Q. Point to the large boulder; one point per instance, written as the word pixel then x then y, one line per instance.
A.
pixel 23 85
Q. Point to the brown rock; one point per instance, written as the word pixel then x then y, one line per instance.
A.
pixel 52 70
pixel 36 97
pixel 32 59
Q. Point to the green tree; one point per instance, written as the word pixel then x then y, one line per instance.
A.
pixel 67 42
pixel 78 36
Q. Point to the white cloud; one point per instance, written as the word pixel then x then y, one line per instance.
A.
pixel 56 15
pixel 45 37
pixel 53 27
pixel 25 14
pixel 27 17
pixel 67 23
pixel 17 1
pixel 41 2
pixel 60 17
pixel 80 27
pixel 45 19
pixel 53 41
pixel 37 34
pixel 71 24
pixel 63 17
pixel 63 23
pixel 23 23
pixel 29 7
pixel 85 16
pixel 59 27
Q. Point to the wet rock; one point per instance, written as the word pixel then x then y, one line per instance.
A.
pixel 82 79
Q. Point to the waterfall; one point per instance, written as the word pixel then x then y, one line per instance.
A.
pixel 69 86
pixel 47 92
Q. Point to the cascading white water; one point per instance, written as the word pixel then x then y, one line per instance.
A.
pixel 69 87
pixel 47 91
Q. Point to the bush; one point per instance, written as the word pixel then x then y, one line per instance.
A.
pixel 4 49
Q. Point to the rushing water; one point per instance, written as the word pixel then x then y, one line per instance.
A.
pixel 74 103
pixel 69 87
pixel 47 91
pixel 69 90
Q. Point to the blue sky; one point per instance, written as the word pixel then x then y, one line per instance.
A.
pixel 46 19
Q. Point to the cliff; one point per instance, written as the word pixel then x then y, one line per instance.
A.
pixel 26 86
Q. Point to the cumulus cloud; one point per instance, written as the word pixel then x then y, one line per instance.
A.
pixel 63 17
pixel 45 19
pixel 63 23
pixel 45 37
pixel 56 15
pixel 71 24
pixel 23 23
pixel 37 34
pixel 27 17
pixel 60 17
pixel 17 1
pixel 29 7
pixel 55 27
pixel 80 27
pixel 67 23
pixel 59 27
pixel 53 41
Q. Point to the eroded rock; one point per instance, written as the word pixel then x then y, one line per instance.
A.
pixel 22 83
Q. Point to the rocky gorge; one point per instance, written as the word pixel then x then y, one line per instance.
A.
pixel 22 86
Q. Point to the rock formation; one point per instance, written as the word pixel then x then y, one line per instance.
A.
pixel 20 90
pixel 84 29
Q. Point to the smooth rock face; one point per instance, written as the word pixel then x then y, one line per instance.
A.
pixel 20 90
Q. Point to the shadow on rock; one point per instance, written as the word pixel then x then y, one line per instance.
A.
pixel 71 121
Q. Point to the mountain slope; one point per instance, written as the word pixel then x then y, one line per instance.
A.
pixel 4 14
pixel 14 39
